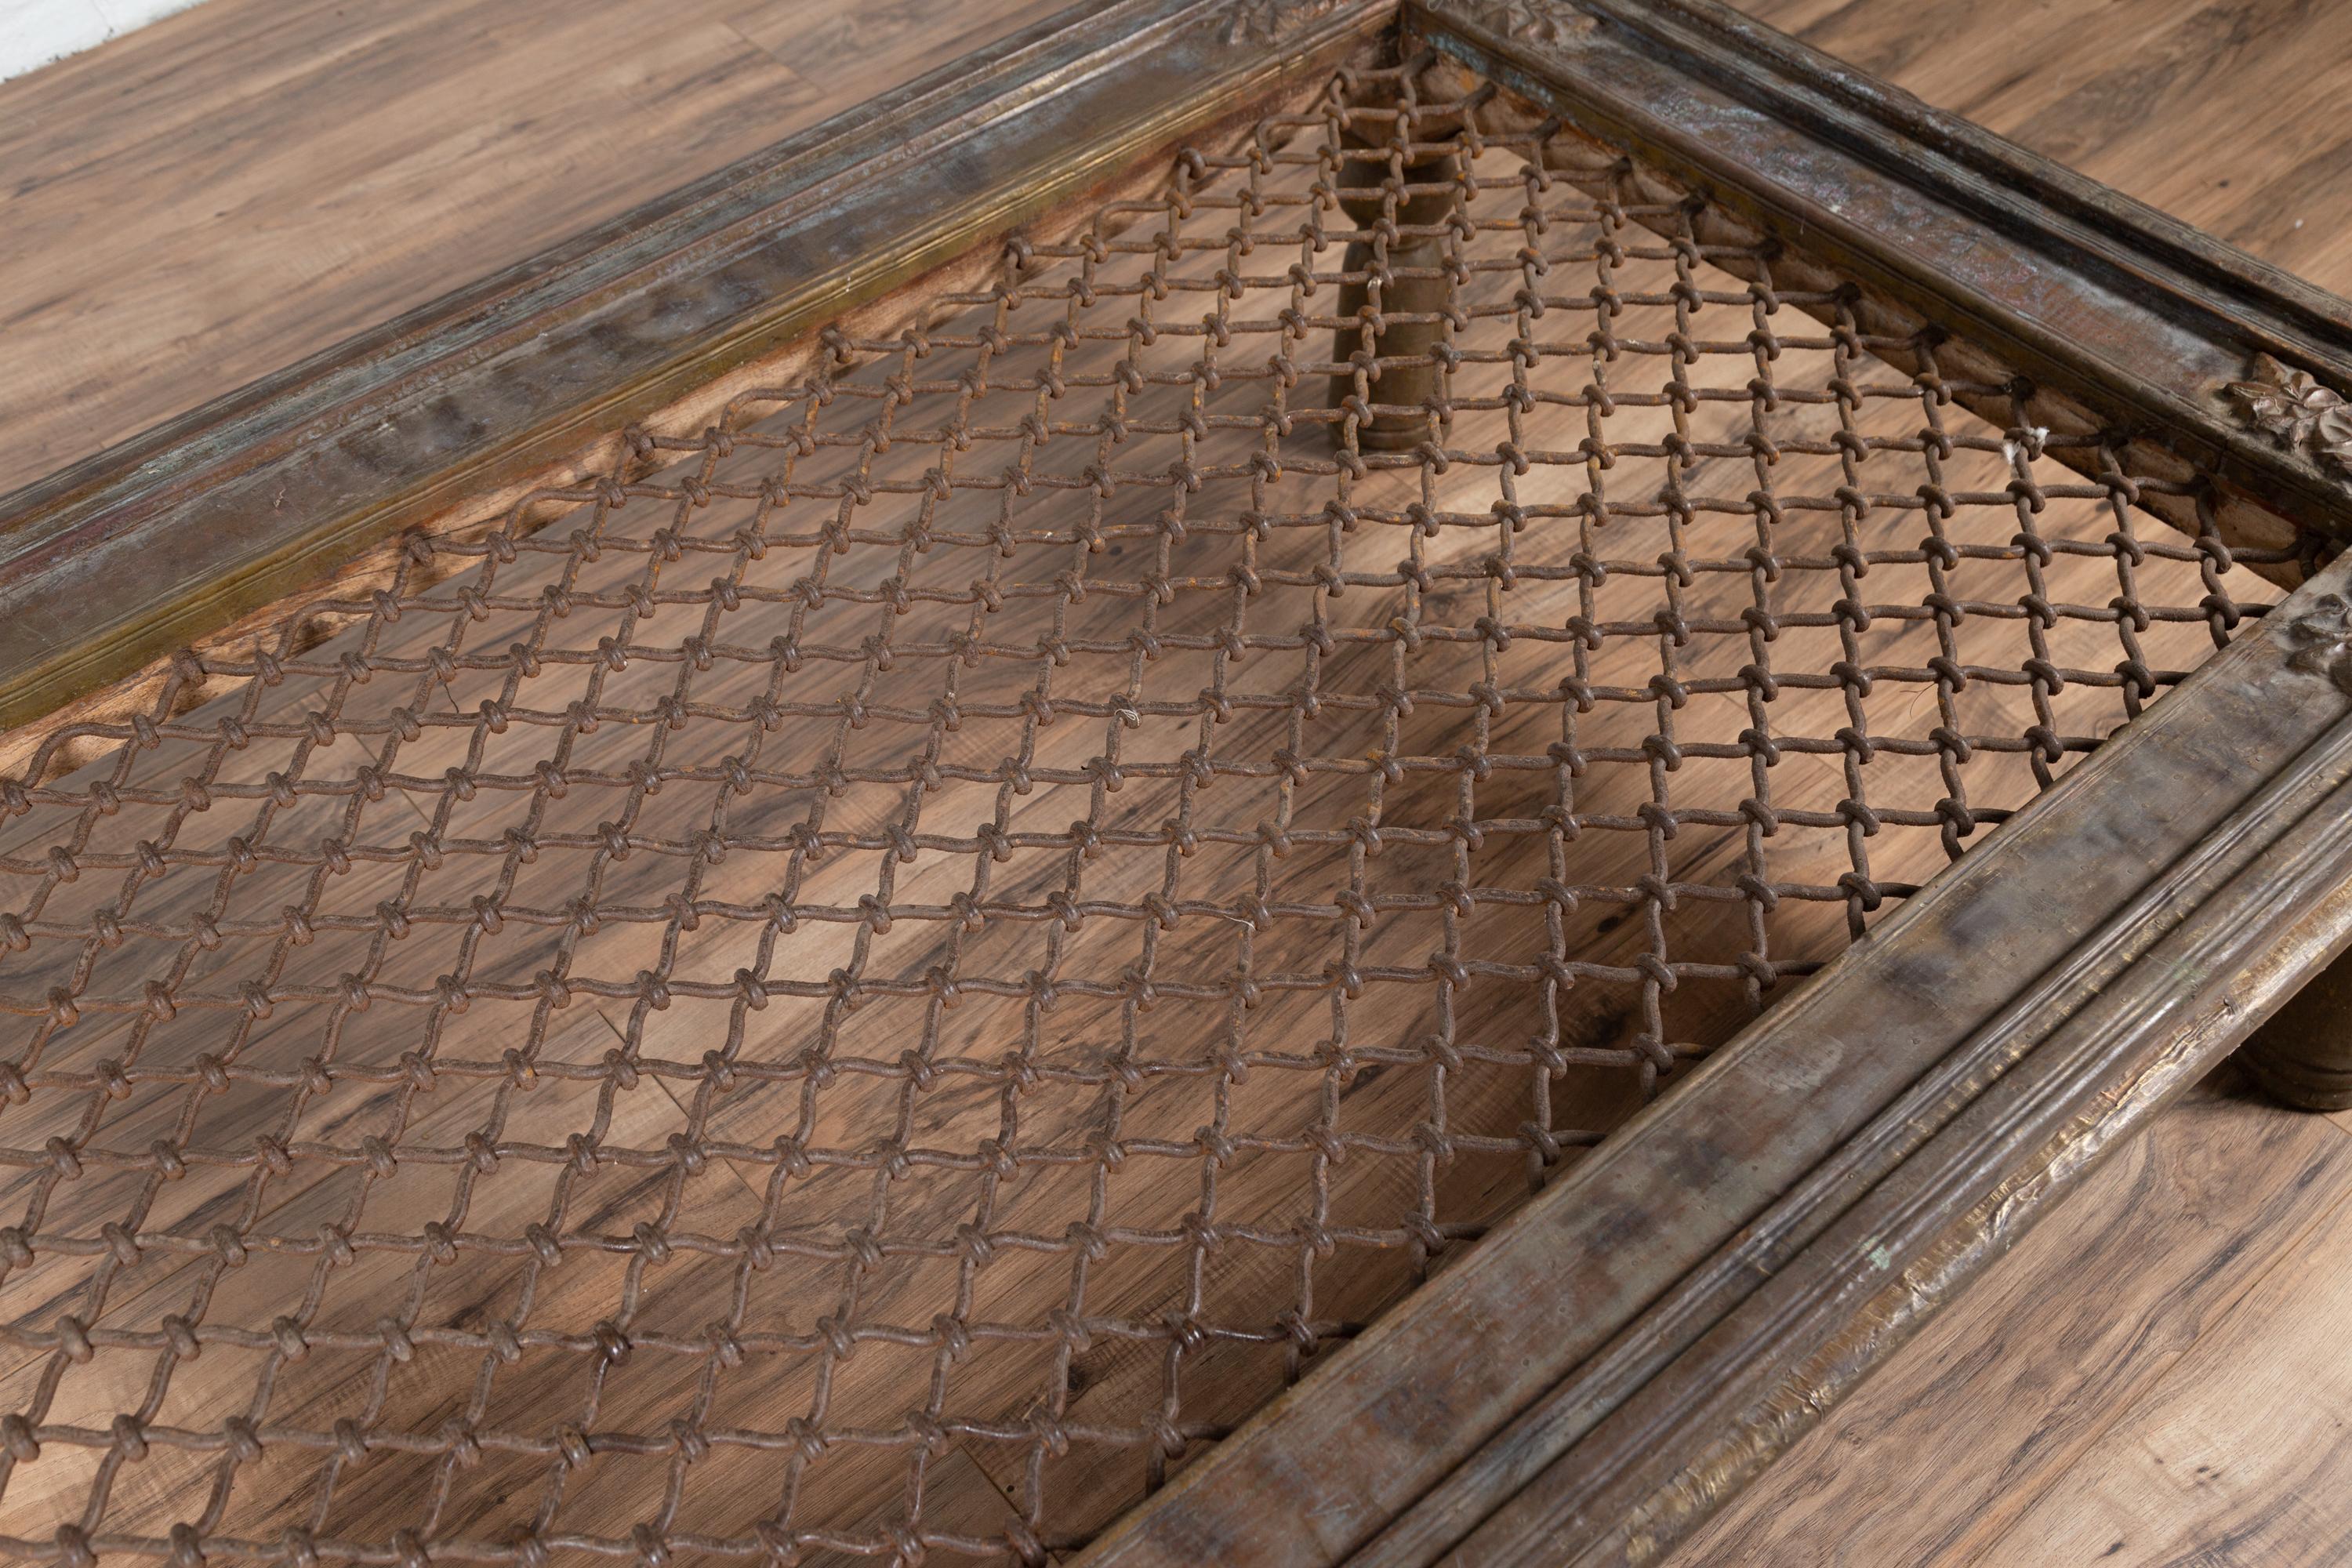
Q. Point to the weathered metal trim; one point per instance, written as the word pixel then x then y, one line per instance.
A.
pixel 112 564
pixel 2115 305
pixel 1641 1337
pixel 1685 1214
pixel 1766 1373
pixel 2015 187
pixel 1608 1336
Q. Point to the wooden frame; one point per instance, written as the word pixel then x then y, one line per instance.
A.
pixel 1659 1322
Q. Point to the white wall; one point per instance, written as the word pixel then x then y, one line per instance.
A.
pixel 34 32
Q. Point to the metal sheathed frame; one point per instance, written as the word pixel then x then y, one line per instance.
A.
pixel 1669 1306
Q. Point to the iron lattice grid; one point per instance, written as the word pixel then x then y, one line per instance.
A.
pixel 865 995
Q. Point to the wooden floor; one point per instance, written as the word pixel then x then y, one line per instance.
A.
pixel 2154 1376
pixel 196 205
pixel 2230 114
pixel 244 183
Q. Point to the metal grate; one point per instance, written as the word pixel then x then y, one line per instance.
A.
pixel 865 995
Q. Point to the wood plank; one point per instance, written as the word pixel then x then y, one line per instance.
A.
pixel 238 185
pixel 2019 1392
pixel 247 182
pixel 2236 1454
pixel 2157 98
pixel 182 302
pixel 1109 1381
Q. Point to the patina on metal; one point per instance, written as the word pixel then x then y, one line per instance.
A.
pixel 2303 1056
pixel 442 418
pixel 1107 874
pixel 1397 288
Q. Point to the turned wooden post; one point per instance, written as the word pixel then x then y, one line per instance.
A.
pixel 2303 1056
pixel 1398 393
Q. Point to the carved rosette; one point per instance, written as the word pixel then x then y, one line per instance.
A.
pixel 2322 639
pixel 2297 410
pixel 1271 21
pixel 1531 21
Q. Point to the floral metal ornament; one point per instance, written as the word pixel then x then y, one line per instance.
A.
pixel 2298 410
pixel 2322 637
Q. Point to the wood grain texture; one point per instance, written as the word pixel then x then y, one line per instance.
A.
pixel 1118 1374
pixel 222 192
pixel 2229 115
pixel 2020 1390
pixel 2240 1455
pixel 257 182
pixel 2174 1315
pixel 237 186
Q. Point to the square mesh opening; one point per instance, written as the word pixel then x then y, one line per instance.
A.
pixel 865 995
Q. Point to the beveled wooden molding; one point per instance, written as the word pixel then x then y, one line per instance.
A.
pixel 2118 305
pixel 2227 937
pixel 1608 1364
pixel 111 563
pixel 1589 1333
pixel 2250 949
pixel 1675 1310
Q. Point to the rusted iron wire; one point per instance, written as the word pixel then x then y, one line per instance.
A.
pixel 865 994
